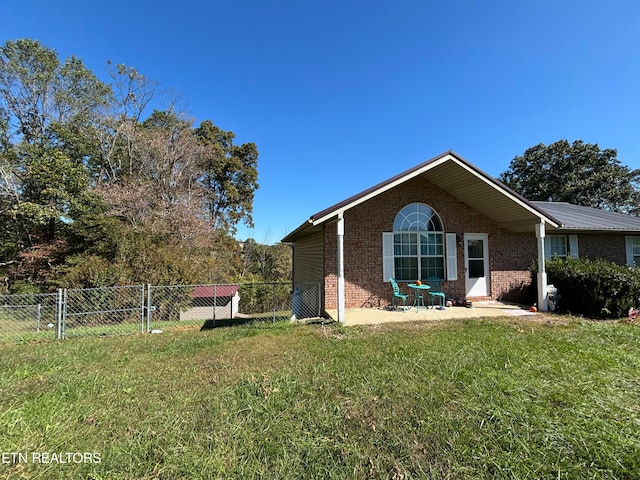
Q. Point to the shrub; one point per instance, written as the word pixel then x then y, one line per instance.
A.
pixel 594 288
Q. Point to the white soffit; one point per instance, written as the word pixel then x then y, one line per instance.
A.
pixel 470 186
pixel 381 188
pixel 485 194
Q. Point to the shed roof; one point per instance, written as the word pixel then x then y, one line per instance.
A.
pixel 211 291
pixel 577 217
pixel 459 178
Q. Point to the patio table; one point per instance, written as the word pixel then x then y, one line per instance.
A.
pixel 418 294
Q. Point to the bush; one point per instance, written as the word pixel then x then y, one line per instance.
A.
pixel 594 288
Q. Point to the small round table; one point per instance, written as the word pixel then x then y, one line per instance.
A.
pixel 418 295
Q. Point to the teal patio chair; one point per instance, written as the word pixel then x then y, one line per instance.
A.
pixel 436 291
pixel 398 294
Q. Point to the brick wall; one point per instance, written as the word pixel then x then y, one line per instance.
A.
pixel 510 255
pixel 602 246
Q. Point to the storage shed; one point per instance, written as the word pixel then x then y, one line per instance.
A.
pixel 213 302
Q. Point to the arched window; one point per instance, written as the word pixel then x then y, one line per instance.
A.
pixel 418 246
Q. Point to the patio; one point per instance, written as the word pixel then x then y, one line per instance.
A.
pixel 371 316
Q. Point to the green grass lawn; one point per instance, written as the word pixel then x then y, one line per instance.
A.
pixel 462 399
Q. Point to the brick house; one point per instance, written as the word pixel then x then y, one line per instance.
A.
pixel 446 218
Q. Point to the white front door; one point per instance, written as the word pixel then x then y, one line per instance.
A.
pixel 476 264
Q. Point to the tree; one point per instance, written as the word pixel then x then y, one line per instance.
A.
pixel 46 107
pixel 268 263
pixel 159 190
pixel 95 173
pixel 133 94
pixel 54 191
pixel 39 94
pixel 230 177
pixel 578 173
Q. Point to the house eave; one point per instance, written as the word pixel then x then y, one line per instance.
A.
pixel 307 228
pixel 578 230
pixel 454 174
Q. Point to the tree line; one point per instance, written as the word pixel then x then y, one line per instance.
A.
pixel 109 182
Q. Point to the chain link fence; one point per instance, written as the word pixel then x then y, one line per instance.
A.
pixel 103 311
pixel 135 309
pixel 185 305
pixel 28 317
pixel 231 304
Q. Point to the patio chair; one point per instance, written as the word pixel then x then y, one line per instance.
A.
pixel 398 294
pixel 436 292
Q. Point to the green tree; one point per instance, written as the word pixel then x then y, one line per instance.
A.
pixel 229 177
pixel 46 110
pixel 27 85
pixel 54 191
pixel 39 95
pixel 578 173
pixel 268 263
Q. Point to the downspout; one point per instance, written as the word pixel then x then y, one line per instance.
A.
pixel 542 273
pixel 340 233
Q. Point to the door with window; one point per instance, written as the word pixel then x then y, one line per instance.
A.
pixel 476 263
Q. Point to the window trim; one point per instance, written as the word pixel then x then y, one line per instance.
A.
pixel 549 254
pixel 629 244
pixel 570 246
pixel 420 235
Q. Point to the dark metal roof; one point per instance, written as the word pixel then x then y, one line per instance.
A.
pixel 577 217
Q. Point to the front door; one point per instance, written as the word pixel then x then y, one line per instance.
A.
pixel 476 264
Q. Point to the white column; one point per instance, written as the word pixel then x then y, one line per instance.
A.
pixel 340 232
pixel 542 273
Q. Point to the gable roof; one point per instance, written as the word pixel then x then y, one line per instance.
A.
pixel 211 291
pixel 459 178
pixel 577 217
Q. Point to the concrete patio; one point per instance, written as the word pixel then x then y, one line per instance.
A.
pixel 371 316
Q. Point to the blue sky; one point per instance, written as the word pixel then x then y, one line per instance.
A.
pixel 340 95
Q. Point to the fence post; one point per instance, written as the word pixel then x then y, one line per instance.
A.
pixel 59 315
pixel 142 308
pixel 148 307
pixel 65 302
pixel 38 316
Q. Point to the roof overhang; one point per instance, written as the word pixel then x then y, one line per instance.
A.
pixel 459 178
pixel 581 219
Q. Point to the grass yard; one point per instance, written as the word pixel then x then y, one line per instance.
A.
pixel 503 398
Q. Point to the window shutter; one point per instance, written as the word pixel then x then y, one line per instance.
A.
pixel 573 246
pixel 629 244
pixel 452 257
pixel 547 248
pixel 387 256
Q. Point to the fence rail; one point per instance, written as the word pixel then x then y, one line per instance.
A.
pixel 135 309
